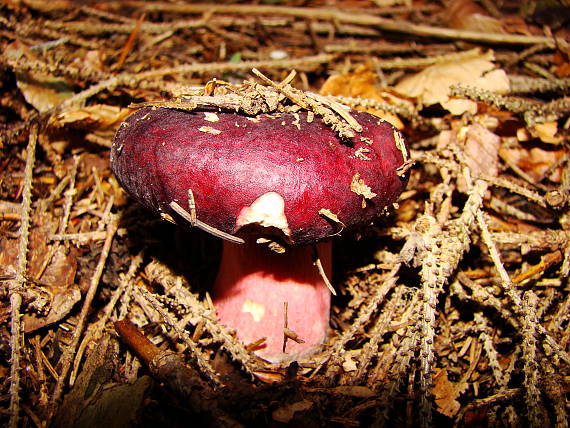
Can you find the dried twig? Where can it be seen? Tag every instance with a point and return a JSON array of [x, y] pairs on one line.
[[536, 413], [335, 353], [131, 79], [339, 16], [17, 284], [169, 367], [509, 288]]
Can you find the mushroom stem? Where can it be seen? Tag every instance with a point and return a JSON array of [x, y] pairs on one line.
[[251, 290]]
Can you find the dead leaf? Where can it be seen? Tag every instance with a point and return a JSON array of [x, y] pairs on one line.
[[286, 413], [535, 161], [546, 132], [43, 91], [446, 393], [361, 83], [62, 301], [431, 86], [56, 278], [96, 399], [60, 270], [40, 90], [468, 15], [99, 116], [480, 148], [269, 376]]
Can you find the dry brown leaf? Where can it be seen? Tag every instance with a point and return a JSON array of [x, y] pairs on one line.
[[361, 83], [480, 148], [286, 413], [42, 91], [535, 161], [99, 116], [56, 278], [431, 86], [468, 15], [60, 269], [62, 301], [446, 393], [547, 132]]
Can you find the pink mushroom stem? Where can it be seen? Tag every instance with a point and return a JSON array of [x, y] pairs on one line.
[[251, 290]]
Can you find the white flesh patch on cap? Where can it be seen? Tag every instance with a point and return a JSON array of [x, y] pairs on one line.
[[268, 211], [257, 310]]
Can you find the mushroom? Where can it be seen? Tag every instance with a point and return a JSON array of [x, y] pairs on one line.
[[276, 187]]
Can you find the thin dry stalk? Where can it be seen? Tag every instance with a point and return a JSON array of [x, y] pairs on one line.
[[377, 332], [334, 356], [17, 284], [132, 79], [402, 366], [501, 377], [537, 415], [341, 17], [510, 290]]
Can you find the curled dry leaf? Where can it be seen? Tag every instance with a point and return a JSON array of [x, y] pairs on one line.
[[62, 301], [41, 90], [431, 86]]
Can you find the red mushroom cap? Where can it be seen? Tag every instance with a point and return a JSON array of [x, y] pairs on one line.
[[230, 160]]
